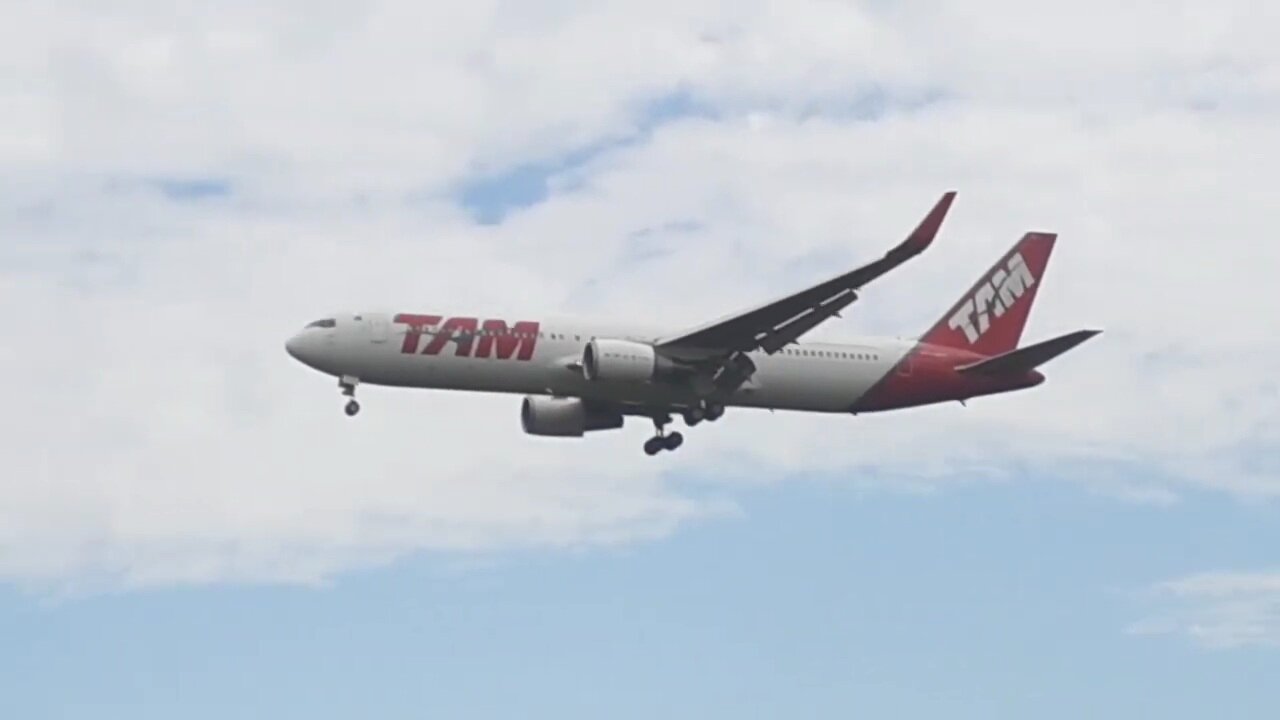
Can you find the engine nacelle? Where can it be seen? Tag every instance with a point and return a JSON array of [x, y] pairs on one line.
[[563, 417], [609, 360]]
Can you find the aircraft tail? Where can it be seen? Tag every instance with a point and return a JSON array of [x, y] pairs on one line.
[[989, 318], [1024, 360]]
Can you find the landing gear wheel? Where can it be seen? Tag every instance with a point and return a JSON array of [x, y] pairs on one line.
[[713, 412], [347, 384], [662, 440], [693, 416]]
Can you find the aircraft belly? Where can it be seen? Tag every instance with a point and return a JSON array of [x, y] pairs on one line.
[[447, 372], [790, 384], [780, 382]]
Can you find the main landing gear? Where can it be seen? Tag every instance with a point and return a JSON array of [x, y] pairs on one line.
[[663, 440], [707, 411], [692, 416], [348, 385]]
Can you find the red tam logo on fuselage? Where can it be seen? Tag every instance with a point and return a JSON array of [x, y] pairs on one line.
[[993, 297], [494, 337]]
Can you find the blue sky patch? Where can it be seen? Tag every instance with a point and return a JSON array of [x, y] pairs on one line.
[[991, 601], [191, 189], [491, 198]]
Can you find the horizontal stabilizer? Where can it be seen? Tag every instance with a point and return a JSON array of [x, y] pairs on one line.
[[1028, 358]]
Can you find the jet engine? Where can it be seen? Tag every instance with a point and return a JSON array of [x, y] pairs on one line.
[[609, 360], [564, 417]]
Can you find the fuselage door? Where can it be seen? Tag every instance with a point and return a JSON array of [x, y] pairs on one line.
[[379, 327], [904, 367]]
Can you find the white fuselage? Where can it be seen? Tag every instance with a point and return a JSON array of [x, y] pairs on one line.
[[821, 377]]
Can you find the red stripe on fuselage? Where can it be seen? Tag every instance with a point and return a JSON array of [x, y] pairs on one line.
[[927, 374]]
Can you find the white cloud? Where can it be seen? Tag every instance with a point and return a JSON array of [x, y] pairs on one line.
[[1220, 610], [158, 433]]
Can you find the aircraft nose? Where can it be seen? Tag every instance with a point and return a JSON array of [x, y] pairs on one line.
[[293, 346]]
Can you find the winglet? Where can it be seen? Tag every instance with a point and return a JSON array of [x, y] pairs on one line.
[[922, 237]]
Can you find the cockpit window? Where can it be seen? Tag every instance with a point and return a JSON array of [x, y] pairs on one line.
[[326, 323]]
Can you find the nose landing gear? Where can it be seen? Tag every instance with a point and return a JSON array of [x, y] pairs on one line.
[[348, 385]]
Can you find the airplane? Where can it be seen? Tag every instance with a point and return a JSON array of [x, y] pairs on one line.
[[579, 376]]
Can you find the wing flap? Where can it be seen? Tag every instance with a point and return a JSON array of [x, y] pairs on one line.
[[788, 332]]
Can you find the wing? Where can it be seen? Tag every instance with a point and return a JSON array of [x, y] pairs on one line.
[[774, 325]]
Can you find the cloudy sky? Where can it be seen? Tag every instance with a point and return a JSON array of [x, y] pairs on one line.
[[189, 525]]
